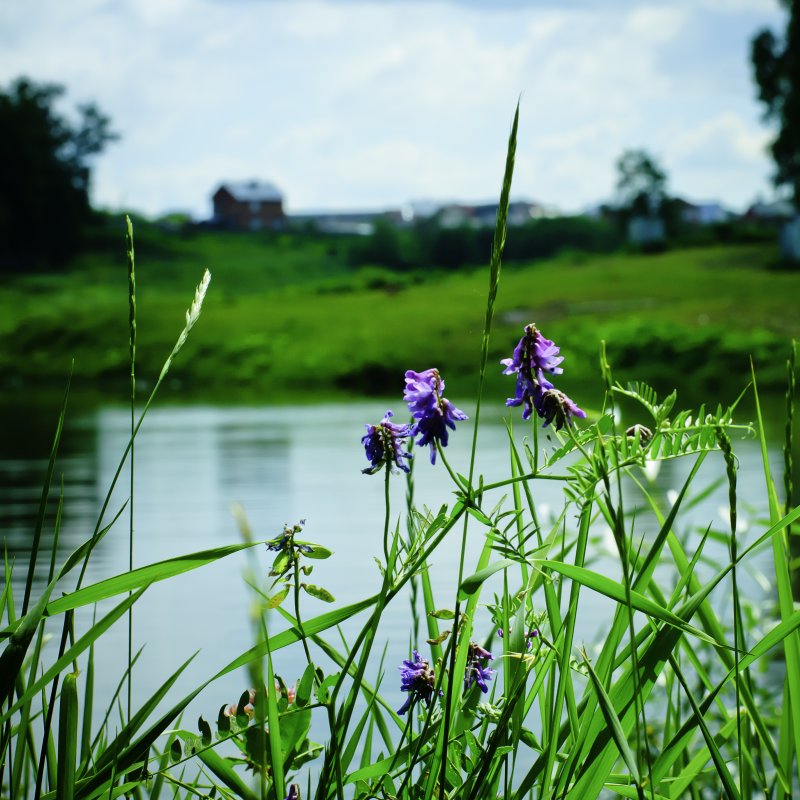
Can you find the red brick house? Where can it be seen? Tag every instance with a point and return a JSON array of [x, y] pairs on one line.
[[248, 205]]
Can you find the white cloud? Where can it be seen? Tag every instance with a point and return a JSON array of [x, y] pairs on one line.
[[348, 104]]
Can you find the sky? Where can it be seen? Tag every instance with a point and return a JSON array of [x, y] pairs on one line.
[[355, 105]]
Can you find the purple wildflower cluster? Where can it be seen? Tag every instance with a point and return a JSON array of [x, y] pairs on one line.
[[384, 445], [418, 679], [433, 414], [533, 357], [477, 671]]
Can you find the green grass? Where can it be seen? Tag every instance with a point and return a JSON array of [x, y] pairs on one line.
[[287, 313]]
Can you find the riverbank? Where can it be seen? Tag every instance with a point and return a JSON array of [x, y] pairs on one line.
[[287, 317]]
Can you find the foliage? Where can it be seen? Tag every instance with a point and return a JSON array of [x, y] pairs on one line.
[[44, 185], [641, 183], [427, 244], [776, 70]]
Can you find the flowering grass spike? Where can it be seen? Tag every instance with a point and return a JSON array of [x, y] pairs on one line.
[[433, 413], [383, 444]]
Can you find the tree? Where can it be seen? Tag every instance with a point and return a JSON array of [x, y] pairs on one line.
[[641, 183], [44, 182], [776, 69]]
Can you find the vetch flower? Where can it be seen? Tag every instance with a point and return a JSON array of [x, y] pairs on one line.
[[556, 406], [294, 792], [383, 444], [477, 671], [433, 413], [534, 354], [532, 358], [418, 679]]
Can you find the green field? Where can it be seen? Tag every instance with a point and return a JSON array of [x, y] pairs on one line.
[[288, 317]]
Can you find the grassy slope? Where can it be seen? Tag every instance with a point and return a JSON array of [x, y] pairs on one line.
[[283, 316]]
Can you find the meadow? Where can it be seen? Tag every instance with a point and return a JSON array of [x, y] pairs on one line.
[[291, 307], [687, 694]]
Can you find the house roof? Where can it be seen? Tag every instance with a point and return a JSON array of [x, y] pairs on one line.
[[252, 191]]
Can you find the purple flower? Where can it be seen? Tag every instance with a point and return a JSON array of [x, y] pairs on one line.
[[418, 679], [477, 671], [556, 406], [433, 413], [383, 445], [533, 357], [534, 354], [529, 636], [294, 792]]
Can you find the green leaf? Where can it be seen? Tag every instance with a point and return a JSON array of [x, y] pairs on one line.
[[175, 750], [223, 769], [442, 613], [14, 654], [67, 738], [616, 591], [143, 576], [322, 689], [317, 550], [471, 584], [319, 592], [436, 640], [278, 597], [304, 687], [281, 563], [205, 731], [72, 653], [607, 707]]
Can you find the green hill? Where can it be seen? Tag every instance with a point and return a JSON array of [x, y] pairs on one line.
[[288, 316]]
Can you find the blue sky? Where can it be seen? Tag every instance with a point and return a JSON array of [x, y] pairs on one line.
[[357, 105]]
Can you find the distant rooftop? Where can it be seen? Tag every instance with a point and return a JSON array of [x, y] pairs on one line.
[[252, 191]]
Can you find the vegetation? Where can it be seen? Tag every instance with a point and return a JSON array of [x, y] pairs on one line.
[[641, 183], [44, 187], [672, 702], [287, 306], [776, 68], [428, 243]]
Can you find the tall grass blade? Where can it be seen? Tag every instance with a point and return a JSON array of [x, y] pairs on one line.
[[67, 738], [37, 532], [780, 554], [132, 359]]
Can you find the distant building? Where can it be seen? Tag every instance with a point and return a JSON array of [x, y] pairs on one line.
[[348, 223], [702, 213], [248, 205], [456, 215], [646, 231], [776, 211]]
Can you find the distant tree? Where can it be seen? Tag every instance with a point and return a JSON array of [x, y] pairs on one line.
[[776, 69], [44, 180], [641, 183]]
